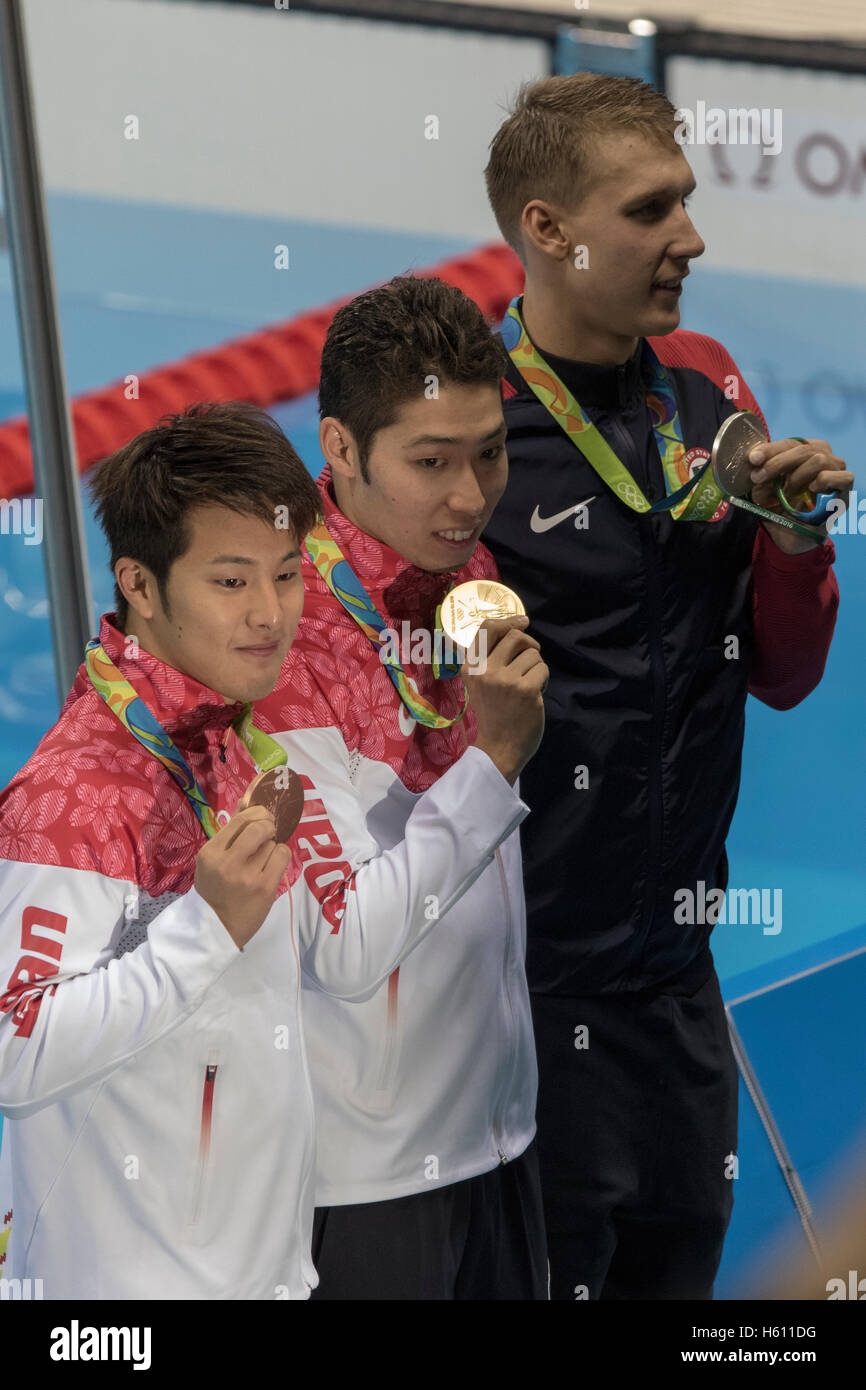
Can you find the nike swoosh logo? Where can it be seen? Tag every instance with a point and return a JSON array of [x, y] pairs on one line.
[[544, 523]]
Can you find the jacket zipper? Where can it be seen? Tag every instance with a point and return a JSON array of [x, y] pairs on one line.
[[204, 1134], [649, 549], [503, 1157], [308, 1168], [659, 701], [389, 1056]]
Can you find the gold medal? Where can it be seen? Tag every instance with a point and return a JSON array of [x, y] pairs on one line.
[[469, 605], [281, 793]]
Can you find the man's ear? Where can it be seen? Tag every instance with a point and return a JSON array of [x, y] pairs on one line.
[[542, 228], [339, 449], [138, 586]]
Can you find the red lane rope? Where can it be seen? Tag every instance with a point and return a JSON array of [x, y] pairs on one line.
[[274, 364]]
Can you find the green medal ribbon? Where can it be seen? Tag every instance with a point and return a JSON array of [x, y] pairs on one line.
[[688, 498], [137, 718], [347, 588]]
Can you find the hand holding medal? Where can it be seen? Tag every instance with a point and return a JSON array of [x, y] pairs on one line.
[[735, 475], [238, 872], [504, 675], [467, 606], [280, 792]]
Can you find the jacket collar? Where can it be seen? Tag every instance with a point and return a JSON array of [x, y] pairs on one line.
[[609, 388], [182, 705], [606, 387], [399, 590]]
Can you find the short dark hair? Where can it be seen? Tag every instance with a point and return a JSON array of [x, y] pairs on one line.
[[382, 345], [228, 454]]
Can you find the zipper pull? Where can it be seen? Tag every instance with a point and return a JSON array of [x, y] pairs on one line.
[[502, 1158]]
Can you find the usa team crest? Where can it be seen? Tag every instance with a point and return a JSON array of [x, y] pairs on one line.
[[695, 460]]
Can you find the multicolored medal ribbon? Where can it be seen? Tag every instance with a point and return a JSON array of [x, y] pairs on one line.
[[347, 588], [134, 715], [689, 498]]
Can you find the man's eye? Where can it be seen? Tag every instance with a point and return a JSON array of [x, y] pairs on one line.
[[493, 452], [232, 584], [430, 463]]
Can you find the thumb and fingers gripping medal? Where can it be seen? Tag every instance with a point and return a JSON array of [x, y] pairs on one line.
[[730, 466], [279, 790]]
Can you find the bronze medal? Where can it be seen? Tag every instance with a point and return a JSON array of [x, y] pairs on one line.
[[281, 793], [469, 605]]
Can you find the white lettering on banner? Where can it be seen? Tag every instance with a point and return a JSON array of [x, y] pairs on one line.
[[768, 215]]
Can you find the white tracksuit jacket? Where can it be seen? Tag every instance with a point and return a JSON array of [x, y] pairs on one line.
[[433, 1078], [153, 1076]]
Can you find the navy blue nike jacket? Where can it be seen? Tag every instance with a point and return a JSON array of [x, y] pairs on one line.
[[634, 786]]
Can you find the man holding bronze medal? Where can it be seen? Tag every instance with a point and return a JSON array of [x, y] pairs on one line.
[[154, 924], [667, 574], [427, 1182]]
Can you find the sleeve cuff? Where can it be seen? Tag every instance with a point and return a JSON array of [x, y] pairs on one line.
[[818, 559], [483, 797], [190, 935]]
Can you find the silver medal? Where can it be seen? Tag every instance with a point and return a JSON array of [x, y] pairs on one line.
[[731, 448]]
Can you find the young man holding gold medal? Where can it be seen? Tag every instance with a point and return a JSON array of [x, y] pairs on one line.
[[662, 594], [427, 1184], [154, 927]]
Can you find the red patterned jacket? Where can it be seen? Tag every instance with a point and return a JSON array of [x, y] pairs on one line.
[[433, 1079], [153, 1077]]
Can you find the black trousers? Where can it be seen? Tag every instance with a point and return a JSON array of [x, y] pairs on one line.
[[482, 1238], [637, 1133]]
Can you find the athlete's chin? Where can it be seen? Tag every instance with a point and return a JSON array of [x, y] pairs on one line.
[[659, 321], [246, 688]]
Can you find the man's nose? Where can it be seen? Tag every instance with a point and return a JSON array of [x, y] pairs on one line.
[[687, 244], [264, 608], [466, 498]]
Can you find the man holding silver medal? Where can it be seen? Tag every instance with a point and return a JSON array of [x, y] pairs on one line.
[[667, 575]]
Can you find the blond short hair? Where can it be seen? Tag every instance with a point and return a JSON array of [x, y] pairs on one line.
[[543, 149]]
